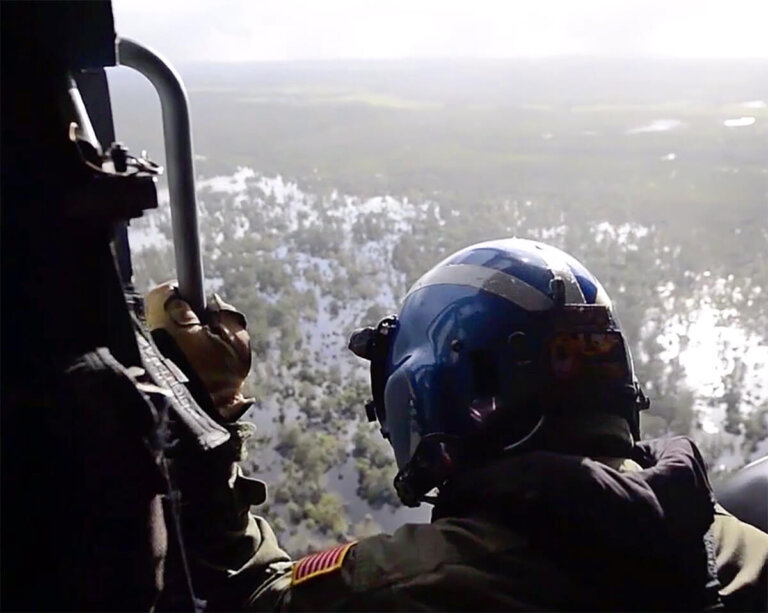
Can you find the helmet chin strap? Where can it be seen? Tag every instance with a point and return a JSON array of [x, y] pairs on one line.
[[433, 461], [437, 457], [521, 443]]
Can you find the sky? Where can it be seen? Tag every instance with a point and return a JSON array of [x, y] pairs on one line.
[[277, 30]]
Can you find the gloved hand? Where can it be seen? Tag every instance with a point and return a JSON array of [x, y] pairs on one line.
[[217, 350]]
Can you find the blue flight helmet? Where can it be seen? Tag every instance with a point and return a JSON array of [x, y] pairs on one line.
[[487, 345]]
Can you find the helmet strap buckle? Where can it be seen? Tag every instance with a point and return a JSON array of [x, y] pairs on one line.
[[435, 459]]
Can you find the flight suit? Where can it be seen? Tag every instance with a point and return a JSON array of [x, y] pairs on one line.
[[535, 531]]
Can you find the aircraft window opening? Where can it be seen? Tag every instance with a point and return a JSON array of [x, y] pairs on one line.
[[330, 177]]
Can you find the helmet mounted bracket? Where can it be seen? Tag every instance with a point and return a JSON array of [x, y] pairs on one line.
[[373, 344]]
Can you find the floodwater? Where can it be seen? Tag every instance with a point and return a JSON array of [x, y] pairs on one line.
[[739, 122], [658, 125]]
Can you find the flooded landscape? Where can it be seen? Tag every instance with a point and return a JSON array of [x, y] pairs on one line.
[[326, 190]]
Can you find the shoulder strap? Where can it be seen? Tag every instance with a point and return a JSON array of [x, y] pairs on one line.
[[203, 429]]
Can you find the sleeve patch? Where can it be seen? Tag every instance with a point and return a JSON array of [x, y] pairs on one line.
[[320, 563]]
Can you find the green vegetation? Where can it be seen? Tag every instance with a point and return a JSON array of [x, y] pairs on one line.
[[375, 466]]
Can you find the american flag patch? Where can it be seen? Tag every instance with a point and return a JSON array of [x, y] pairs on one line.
[[320, 563]]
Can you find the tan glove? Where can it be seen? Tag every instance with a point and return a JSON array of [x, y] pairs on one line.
[[218, 350]]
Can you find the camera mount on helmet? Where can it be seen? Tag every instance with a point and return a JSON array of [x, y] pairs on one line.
[[372, 344]]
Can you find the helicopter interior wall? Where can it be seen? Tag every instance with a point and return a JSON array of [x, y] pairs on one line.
[[61, 300]]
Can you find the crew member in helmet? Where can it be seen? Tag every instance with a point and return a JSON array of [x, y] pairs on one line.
[[507, 391]]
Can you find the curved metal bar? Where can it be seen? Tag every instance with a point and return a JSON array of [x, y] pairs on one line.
[[177, 133]]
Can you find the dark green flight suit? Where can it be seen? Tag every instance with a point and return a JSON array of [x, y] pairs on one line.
[[537, 531]]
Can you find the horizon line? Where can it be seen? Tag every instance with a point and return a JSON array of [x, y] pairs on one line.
[[465, 59]]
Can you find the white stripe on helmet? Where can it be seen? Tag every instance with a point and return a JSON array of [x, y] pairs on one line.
[[491, 280], [602, 296]]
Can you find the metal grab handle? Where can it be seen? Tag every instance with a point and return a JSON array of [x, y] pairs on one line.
[[177, 132]]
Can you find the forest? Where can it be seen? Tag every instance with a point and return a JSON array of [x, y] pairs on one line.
[[326, 189]]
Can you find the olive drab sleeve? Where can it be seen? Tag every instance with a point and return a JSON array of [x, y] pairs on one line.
[[320, 581], [232, 553], [235, 560]]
